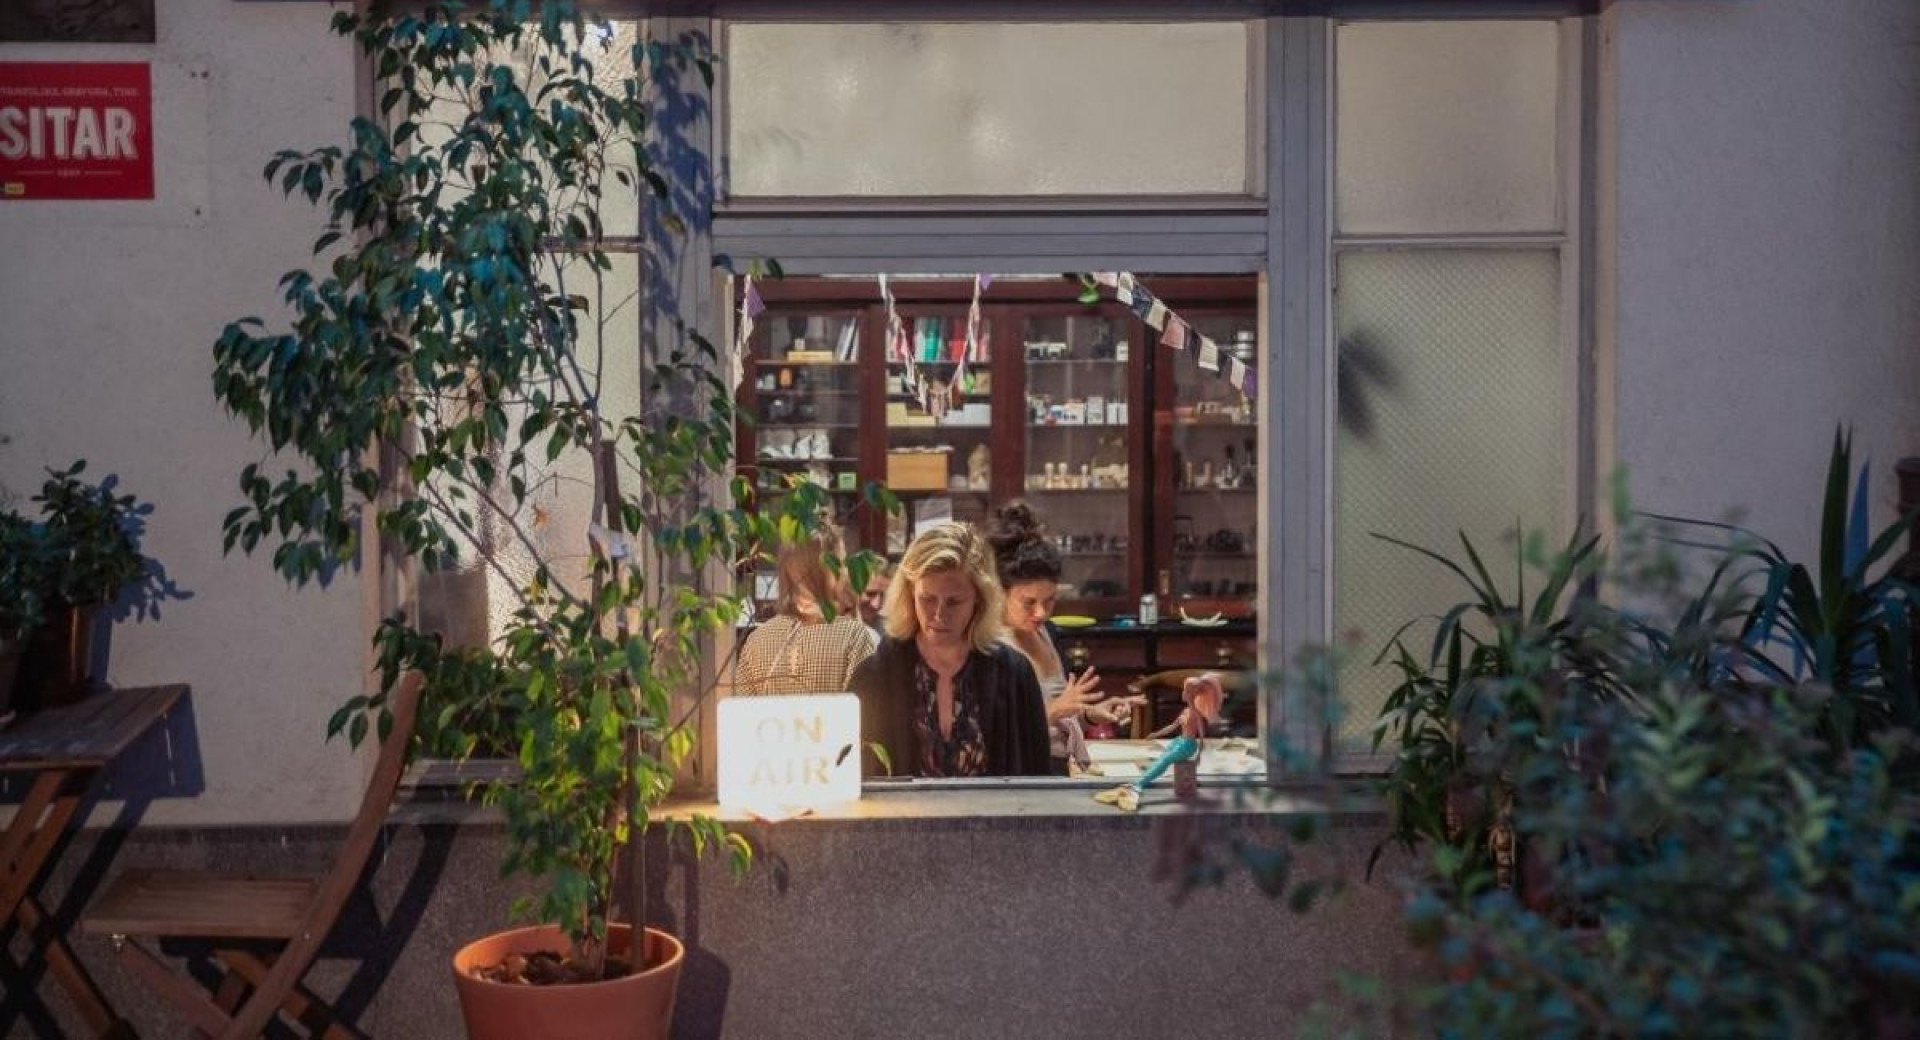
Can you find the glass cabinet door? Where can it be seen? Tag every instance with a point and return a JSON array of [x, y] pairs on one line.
[[803, 393], [1214, 475], [1080, 467], [938, 425]]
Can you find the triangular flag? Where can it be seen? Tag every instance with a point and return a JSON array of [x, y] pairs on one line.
[[1209, 354], [1157, 315], [744, 332], [755, 305], [1143, 302], [1106, 278], [1249, 382], [1237, 373], [1176, 334]]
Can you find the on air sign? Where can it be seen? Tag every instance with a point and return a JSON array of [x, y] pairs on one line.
[[782, 754], [76, 130]]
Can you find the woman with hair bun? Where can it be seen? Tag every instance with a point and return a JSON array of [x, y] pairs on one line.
[[1029, 570]]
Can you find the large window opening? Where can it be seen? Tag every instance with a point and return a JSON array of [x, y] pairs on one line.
[[1118, 429]]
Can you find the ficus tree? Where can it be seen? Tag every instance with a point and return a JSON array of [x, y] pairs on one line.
[[462, 374]]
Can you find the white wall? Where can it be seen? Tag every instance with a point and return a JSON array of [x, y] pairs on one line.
[[1763, 169], [1767, 206], [108, 312]]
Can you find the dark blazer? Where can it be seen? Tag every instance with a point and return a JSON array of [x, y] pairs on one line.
[[1013, 720]]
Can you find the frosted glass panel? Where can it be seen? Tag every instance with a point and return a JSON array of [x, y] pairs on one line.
[[929, 109], [1453, 416], [1447, 126]]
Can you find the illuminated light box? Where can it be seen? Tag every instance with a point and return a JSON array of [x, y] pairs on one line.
[[789, 753]]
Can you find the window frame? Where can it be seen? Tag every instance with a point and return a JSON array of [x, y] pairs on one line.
[[1287, 238], [1572, 243], [1254, 199]]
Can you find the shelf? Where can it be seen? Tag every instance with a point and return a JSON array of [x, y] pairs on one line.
[[1215, 491], [903, 492], [1079, 426], [765, 491], [843, 460], [1091, 554], [1076, 491], [808, 426], [1216, 426], [778, 362], [1207, 554], [1075, 361]]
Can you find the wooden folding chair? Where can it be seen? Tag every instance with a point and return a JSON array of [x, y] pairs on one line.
[[244, 918]]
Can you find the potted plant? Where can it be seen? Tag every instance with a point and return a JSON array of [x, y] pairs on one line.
[[22, 585], [1846, 625], [1500, 666], [454, 380], [56, 574]]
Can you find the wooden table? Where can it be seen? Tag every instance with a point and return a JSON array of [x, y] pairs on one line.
[[67, 747]]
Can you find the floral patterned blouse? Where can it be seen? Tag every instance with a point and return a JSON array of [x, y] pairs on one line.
[[963, 751]]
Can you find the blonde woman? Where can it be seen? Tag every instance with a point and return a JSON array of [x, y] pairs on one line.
[[942, 694], [798, 650]]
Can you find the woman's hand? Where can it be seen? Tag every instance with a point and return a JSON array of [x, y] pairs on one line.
[[1110, 713], [1080, 692]]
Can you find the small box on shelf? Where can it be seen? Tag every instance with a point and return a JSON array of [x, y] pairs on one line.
[[899, 413], [977, 413], [917, 470]]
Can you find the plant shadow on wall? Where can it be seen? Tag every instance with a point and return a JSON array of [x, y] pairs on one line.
[[1364, 374], [1670, 793], [477, 374]]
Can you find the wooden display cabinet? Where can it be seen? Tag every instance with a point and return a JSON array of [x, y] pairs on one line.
[[1156, 492]]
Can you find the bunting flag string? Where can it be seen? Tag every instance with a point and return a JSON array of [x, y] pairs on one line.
[[1177, 333], [751, 307], [934, 398]]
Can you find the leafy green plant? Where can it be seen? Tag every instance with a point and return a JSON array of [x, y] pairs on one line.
[[455, 364], [1847, 627], [25, 566], [1744, 881], [1720, 866], [1500, 665], [82, 552], [89, 534]]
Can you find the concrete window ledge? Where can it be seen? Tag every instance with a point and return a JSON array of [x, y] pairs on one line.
[[1064, 800], [980, 801]]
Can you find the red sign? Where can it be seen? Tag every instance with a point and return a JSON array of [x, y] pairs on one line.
[[71, 130]]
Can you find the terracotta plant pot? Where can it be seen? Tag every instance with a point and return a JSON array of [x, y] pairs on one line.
[[637, 1007]]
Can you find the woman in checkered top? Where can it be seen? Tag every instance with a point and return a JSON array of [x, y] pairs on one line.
[[798, 650]]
